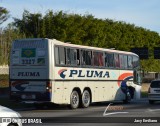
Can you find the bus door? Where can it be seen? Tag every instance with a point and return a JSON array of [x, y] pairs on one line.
[[137, 80], [137, 76]]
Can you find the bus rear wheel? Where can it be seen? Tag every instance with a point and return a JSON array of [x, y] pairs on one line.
[[74, 100], [86, 99]]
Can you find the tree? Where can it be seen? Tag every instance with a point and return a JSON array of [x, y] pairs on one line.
[[7, 36], [30, 24], [88, 30], [4, 14]]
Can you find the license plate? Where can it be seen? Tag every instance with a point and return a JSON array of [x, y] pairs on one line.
[[28, 61], [28, 96]]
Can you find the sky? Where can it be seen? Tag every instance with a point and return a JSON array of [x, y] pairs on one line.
[[142, 13]]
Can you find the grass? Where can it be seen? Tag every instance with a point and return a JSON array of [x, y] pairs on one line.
[[144, 94]]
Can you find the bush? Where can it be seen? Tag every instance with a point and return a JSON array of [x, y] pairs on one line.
[[4, 81]]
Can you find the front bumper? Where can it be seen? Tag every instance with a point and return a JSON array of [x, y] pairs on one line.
[[155, 97]]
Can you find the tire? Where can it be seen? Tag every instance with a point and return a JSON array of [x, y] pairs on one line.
[[12, 124], [151, 102], [74, 100], [40, 106], [128, 98], [86, 99]]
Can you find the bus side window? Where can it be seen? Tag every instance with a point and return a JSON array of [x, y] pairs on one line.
[[74, 57], [95, 54], [83, 57], [62, 52], [106, 60], [71, 56], [121, 59], [125, 62], [86, 57], [68, 56], [130, 65], [78, 57], [98, 58], [109, 60], [135, 62], [57, 55], [116, 59], [60, 55]]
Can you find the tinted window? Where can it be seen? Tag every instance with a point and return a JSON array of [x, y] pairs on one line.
[[135, 61], [155, 84], [60, 55], [98, 58], [109, 60], [125, 61], [130, 61], [121, 59], [71, 56], [86, 57], [116, 59], [57, 55]]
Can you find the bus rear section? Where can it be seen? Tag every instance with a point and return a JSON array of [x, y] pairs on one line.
[[29, 80]]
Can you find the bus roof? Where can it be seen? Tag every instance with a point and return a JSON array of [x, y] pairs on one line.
[[57, 42]]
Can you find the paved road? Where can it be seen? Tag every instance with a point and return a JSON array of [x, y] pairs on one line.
[[116, 113]]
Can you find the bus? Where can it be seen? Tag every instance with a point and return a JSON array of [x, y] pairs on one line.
[[50, 71]]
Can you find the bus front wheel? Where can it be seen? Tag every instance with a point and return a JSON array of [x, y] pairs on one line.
[[74, 100], [86, 99]]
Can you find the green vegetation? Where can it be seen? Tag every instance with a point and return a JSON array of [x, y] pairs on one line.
[[4, 14], [144, 94], [83, 30], [4, 81], [4, 77]]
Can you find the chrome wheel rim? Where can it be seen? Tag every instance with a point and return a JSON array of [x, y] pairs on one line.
[[86, 98], [75, 99]]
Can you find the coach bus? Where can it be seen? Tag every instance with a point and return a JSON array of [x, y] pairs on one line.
[[49, 71]]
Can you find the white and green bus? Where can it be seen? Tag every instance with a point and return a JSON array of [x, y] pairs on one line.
[[50, 71]]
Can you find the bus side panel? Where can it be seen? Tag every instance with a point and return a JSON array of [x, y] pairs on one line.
[[100, 91], [104, 86], [58, 92]]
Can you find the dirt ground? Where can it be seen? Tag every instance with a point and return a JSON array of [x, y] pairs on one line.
[[145, 87]]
